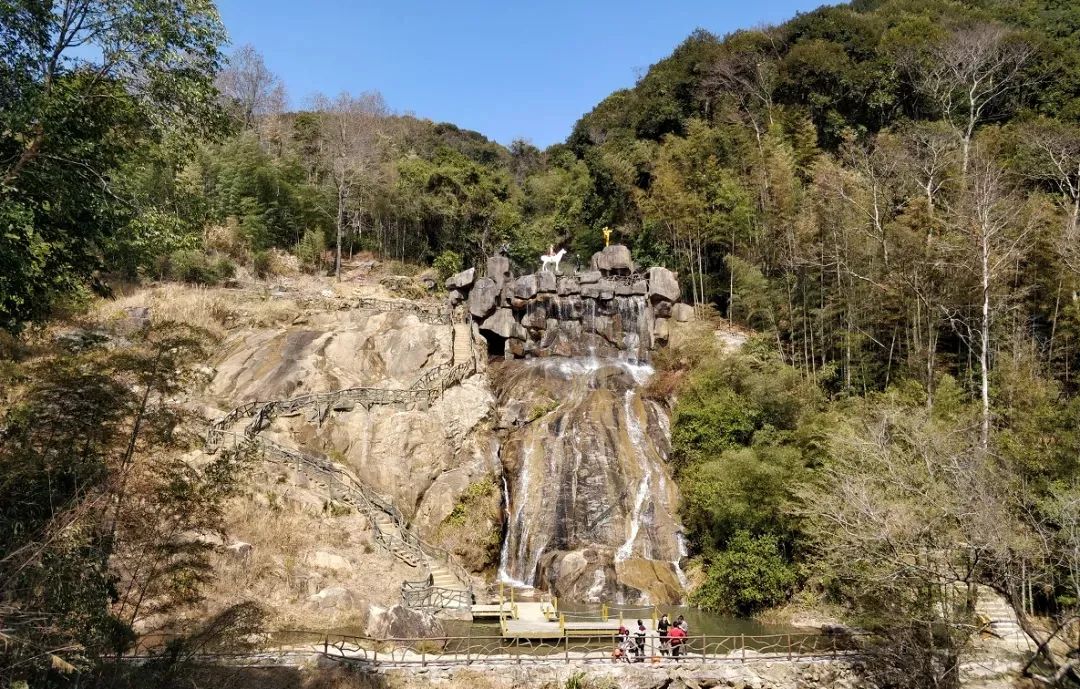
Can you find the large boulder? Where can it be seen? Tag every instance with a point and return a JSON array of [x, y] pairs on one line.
[[332, 598], [500, 323], [535, 316], [483, 298], [568, 286], [498, 269], [526, 287], [400, 622], [682, 313], [662, 285], [546, 281], [462, 280], [589, 277], [613, 259]]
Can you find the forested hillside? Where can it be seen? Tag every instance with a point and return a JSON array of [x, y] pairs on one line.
[[886, 192]]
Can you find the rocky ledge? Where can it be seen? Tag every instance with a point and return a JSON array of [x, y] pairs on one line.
[[610, 310]]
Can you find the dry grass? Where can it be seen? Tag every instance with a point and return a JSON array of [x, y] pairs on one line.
[[286, 526], [215, 309]]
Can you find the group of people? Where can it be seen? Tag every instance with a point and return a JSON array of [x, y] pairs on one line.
[[671, 635]]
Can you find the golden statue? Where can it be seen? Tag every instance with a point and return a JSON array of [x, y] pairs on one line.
[[607, 236]]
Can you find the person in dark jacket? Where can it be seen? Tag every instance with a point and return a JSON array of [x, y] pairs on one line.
[[662, 628], [639, 648]]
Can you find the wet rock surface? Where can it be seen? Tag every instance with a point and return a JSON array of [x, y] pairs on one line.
[[591, 503]]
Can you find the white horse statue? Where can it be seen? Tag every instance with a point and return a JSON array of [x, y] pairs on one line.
[[547, 259]]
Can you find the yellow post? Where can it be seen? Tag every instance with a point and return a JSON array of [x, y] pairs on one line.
[[555, 603], [603, 612], [562, 622], [655, 617]]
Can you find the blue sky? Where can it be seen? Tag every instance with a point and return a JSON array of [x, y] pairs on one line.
[[506, 69]]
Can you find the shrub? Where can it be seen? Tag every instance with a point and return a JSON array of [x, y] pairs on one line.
[[447, 264], [310, 250], [188, 265], [262, 262], [749, 576]]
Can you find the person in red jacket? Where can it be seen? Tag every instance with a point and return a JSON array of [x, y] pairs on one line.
[[676, 637]]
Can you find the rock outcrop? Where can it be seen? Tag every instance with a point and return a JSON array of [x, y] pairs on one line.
[[606, 311]]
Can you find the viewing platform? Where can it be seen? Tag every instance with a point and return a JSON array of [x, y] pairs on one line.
[[524, 620]]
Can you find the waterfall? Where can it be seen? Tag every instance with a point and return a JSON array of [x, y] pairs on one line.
[[580, 437], [637, 441], [504, 554]]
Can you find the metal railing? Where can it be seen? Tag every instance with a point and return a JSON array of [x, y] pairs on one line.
[[495, 650], [426, 314], [435, 597], [400, 542], [628, 280], [426, 389]]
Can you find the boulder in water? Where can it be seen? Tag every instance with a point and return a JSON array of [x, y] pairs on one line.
[[662, 285], [400, 622], [535, 316], [589, 277]]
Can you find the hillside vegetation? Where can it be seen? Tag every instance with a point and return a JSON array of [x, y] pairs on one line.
[[887, 192]]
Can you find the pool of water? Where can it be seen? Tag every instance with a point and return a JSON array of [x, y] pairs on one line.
[[701, 623]]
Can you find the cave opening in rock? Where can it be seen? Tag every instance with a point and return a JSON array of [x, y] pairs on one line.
[[496, 344]]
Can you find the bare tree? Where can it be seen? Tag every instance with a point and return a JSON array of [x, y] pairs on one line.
[[248, 88], [1053, 157], [749, 79], [989, 214], [970, 71], [927, 154], [350, 129]]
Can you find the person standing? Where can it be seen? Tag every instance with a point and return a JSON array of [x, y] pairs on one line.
[[639, 648], [677, 636], [662, 628]]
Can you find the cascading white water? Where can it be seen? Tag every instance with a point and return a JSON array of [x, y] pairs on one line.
[[504, 554], [637, 441], [521, 571], [579, 433]]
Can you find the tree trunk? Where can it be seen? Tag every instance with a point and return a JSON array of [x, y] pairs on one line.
[[340, 222], [984, 345]]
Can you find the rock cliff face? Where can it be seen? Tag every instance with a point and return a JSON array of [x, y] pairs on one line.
[[591, 505], [422, 459], [608, 311]]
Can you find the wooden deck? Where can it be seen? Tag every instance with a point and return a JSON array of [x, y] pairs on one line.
[[541, 620], [494, 611]]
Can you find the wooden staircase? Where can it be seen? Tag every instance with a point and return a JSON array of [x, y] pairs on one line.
[[463, 350]]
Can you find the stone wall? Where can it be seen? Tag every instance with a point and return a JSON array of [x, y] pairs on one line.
[[611, 310], [771, 674]]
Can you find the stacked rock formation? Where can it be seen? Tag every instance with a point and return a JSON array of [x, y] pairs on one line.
[[610, 310]]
